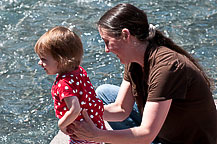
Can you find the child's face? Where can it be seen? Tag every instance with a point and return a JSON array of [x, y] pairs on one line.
[[48, 63]]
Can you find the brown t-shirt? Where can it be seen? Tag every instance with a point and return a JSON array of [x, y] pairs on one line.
[[192, 117]]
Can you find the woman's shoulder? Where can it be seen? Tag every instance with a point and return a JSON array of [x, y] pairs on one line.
[[162, 51], [162, 55]]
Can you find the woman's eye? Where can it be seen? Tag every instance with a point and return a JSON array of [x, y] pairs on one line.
[[43, 59], [106, 42]]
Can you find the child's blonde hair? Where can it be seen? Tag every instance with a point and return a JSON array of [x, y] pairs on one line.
[[64, 45]]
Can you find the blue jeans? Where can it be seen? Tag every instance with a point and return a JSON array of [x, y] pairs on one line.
[[108, 93]]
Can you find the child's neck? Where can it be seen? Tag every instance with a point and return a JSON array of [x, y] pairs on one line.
[[67, 71]]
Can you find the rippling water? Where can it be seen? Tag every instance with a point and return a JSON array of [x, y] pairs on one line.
[[26, 109]]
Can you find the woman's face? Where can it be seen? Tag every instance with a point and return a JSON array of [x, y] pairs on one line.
[[114, 45]]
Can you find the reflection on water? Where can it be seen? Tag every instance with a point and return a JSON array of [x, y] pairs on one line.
[[26, 107]]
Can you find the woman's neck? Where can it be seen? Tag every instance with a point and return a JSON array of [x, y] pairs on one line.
[[139, 51]]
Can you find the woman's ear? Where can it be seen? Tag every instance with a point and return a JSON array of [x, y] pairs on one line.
[[125, 33]]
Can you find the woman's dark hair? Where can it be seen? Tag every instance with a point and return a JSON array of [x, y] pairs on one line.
[[135, 20]]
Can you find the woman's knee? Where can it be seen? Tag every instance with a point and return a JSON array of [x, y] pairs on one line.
[[102, 89], [107, 93]]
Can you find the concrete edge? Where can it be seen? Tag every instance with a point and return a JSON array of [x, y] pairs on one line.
[[61, 138]]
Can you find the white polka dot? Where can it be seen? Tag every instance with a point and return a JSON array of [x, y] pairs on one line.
[[85, 84], [89, 92], [62, 94], [80, 92], [80, 81], [81, 75], [86, 95], [95, 105], [72, 81], [88, 81], [91, 110], [81, 119], [76, 77], [101, 127], [82, 103], [66, 87], [99, 107], [64, 108], [73, 91], [64, 76], [71, 75], [58, 92], [61, 113], [77, 83], [59, 85], [91, 116], [90, 104], [96, 113], [93, 101], [89, 99], [58, 103], [91, 87]]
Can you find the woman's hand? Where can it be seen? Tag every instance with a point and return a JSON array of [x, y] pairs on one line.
[[63, 129], [85, 129]]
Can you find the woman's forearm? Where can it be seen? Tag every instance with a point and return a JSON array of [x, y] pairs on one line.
[[136, 135], [154, 116], [114, 112]]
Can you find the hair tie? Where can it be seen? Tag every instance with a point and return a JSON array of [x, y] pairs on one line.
[[152, 30]]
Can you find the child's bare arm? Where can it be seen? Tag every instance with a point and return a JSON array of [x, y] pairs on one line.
[[69, 117]]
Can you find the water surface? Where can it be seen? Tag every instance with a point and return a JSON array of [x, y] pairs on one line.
[[26, 108]]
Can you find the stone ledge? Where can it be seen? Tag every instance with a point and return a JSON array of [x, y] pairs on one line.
[[61, 138]]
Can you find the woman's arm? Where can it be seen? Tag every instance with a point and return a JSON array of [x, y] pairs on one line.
[[153, 118], [73, 105], [122, 107]]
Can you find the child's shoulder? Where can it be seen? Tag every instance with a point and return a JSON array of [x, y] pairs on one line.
[[82, 70]]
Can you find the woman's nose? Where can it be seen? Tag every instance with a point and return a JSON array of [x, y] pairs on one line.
[[107, 49], [39, 62]]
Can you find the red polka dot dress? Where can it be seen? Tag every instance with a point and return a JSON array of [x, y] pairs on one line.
[[77, 83]]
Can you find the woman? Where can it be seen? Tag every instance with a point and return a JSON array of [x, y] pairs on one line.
[[170, 88]]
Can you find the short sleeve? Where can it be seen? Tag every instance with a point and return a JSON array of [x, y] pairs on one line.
[[167, 81], [126, 73], [66, 88]]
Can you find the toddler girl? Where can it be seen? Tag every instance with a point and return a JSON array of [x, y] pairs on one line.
[[60, 51]]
